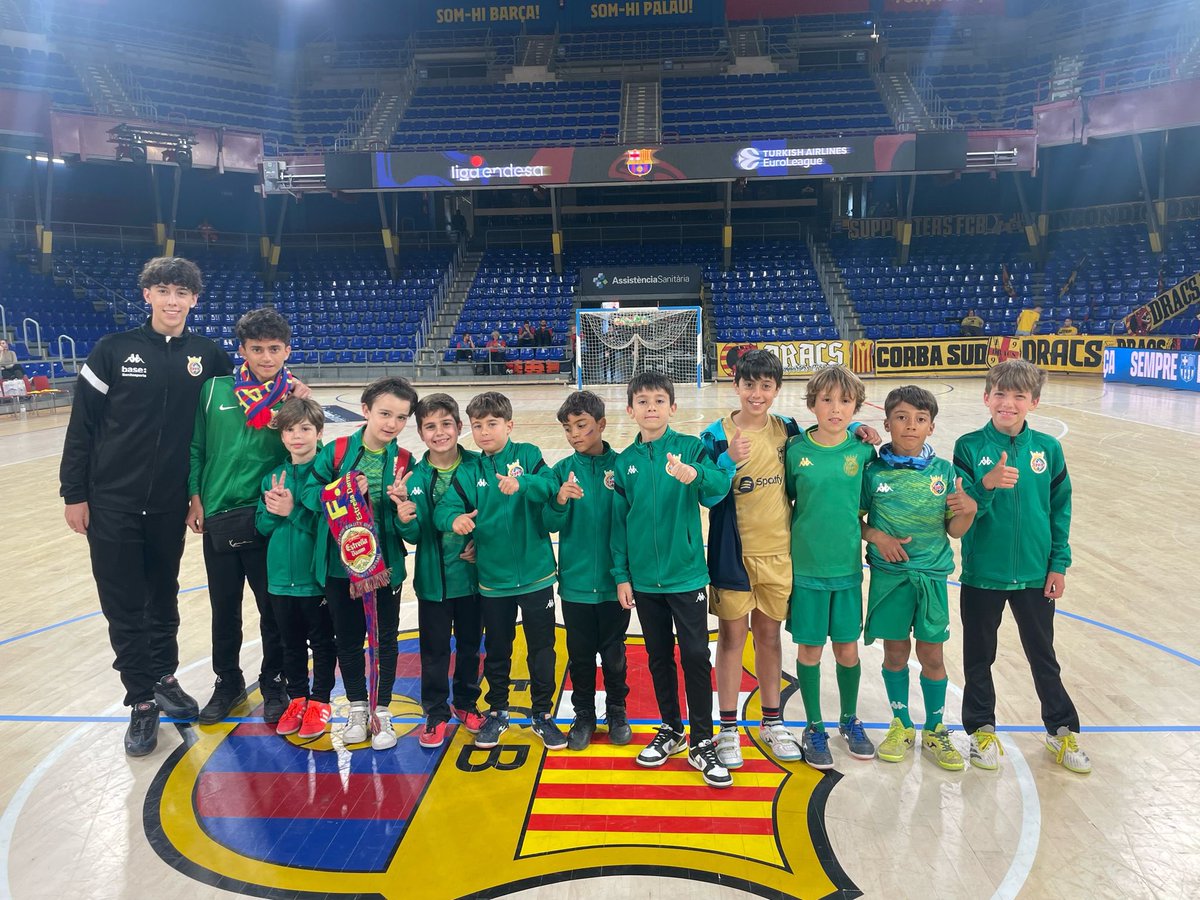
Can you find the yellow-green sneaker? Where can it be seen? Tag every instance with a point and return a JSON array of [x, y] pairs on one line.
[[897, 742], [944, 753]]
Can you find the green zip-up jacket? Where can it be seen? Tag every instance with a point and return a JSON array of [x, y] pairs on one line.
[[229, 458], [386, 523], [1021, 534], [440, 574], [657, 544], [512, 547], [290, 539], [583, 526]]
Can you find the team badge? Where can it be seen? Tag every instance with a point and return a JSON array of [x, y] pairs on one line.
[[1037, 461], [355, 820], [639, 162], [195, 366], [610, 479], [515, 470], [937, 485], [850, 465]]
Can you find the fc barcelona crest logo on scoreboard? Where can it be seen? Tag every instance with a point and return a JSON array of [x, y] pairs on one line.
[[263, 815], [639, 162]]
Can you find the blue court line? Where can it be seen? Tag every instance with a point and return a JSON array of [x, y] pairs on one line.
[[1129, 634], [71, 621]]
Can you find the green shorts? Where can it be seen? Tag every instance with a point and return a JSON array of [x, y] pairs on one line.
[[818, 615], [909, 604]]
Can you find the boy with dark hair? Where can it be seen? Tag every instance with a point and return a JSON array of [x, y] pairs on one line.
[[382, 464], [123, 480], [297, 601], [1017, 553], [499, 498], [658, 565], [913, 506], [824, 471], [596, 623], [445, 582], [233, 449]]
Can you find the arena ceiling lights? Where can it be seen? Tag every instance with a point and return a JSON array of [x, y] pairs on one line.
[[133, 142]]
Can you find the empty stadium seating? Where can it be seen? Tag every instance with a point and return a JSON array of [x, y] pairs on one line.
[[770, 294], [37, 70]]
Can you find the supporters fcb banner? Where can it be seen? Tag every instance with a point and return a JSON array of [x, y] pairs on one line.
[[958, 7], [799, 358], [1166, 305], [1160, 368], [933, 226]]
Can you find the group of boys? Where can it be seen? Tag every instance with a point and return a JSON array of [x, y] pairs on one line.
[[784, 546]]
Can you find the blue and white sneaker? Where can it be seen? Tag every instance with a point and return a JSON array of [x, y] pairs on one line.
[[856, 739]]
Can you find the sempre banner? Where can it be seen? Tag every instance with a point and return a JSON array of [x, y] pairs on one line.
[[617, 282], [799, 358], [1160, 368], [1166, 305]]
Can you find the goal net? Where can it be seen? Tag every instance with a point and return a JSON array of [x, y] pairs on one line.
[[613, 345]]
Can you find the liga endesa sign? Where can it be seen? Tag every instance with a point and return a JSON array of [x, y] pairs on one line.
[[799, 358]]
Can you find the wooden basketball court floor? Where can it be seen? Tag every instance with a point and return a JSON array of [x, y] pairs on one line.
[[233, 809]]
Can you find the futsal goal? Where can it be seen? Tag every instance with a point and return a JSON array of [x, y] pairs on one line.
[[613, 345]]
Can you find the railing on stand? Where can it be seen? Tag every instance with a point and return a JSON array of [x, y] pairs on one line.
[[62, 357], [37, 330], [116, 301]]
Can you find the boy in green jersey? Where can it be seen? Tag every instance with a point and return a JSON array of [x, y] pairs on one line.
[[823, 470], [658, 564], [445, 583], [911, 512], [1017, 553], [498, 499], [232, 449], [297, 600], [581, 512]]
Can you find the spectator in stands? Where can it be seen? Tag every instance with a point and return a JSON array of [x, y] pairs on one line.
[[1067, 327], [1197, 344], [543, 336], [971, 325], [465, 346], [496, 346], [1027, 321], [525, 336], [458, 224], [207, 231], [9, 367]]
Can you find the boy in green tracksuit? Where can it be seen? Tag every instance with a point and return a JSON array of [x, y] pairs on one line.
[[445, 583], [596, 623], [499, 499], [823, 471], [1017, 553], [233, 449], [372, 451], [296, 598], [914, 505], [659, 566]]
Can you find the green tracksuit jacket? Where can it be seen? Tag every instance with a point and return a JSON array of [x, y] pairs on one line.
[[1020, 534], [386, 523], [228, 457], [512, 547], [290, 539], [583, 526], [440, 574], [656, 542]]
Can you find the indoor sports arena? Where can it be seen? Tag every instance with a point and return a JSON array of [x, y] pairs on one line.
[[339, 341]]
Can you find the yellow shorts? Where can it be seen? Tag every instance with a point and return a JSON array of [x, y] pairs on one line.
[[770, 587]]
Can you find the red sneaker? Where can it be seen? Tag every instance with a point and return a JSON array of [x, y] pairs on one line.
[[433, 736], [289, 722], [471, 719], [316, 717]]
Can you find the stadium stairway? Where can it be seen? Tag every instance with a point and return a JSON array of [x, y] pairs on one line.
[[432, 355], [841, 305]]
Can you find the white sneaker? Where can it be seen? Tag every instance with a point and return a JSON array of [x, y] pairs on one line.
[[1067, 752], [385, 738], [985, 749], [729, 747], [781, 742], [356, 729]]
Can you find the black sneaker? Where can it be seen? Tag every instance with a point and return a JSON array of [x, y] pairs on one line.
[[226, 695], [275, 698], [665, 744], [581, 732], [547, 729], [142, 735], [704, 757], [173, 700], [495, 723], [619, 732]]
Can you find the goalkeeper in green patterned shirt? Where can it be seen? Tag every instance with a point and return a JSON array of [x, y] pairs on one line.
[[913, 504]]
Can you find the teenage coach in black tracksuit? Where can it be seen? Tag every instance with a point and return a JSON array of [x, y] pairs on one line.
[[124, 480]]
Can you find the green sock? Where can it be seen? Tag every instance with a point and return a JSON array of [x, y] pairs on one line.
[[810, 692], [896, 685], [934, 693], [847, 679]]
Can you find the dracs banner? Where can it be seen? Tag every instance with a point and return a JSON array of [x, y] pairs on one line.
[[615, 283], [799, 358], [1166, 305]]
